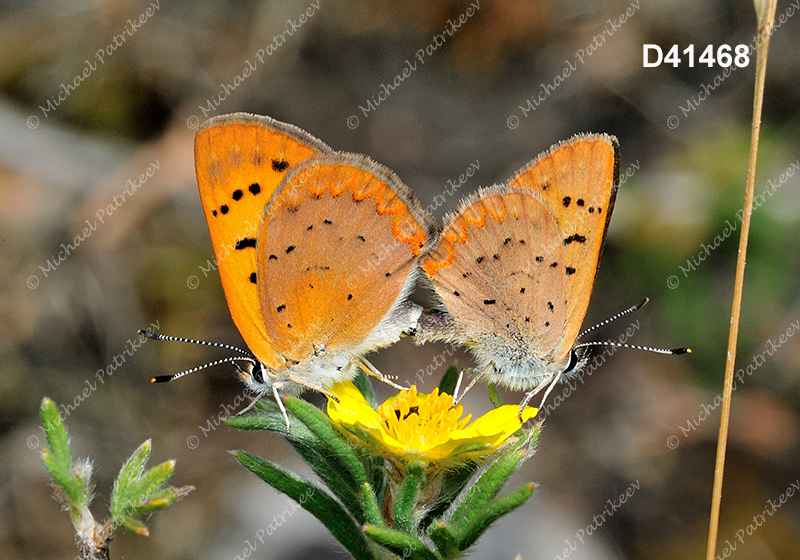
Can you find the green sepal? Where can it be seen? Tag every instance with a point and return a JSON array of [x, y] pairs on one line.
[[318, 423], [455, 479], [365, 388], [444, 539], [486, 487], [400, 543], [57, 459], [494, 395], [406, 498], [311, 498], [371, 508], [449, 380], [322, 460], [491, 512]]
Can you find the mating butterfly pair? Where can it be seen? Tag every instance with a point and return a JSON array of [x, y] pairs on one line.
[[318, 250]]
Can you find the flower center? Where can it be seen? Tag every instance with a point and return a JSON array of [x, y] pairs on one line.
[[418, 421]]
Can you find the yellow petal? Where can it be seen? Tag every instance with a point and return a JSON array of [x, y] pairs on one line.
[[352, 408], [498, 423]]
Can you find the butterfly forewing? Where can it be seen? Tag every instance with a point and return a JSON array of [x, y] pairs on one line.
[[335, 254], [240, 160]]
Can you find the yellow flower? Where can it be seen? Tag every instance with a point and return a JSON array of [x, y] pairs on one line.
[[414, 425]]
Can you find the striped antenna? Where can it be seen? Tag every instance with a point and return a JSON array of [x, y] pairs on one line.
[[617, 316], [157, 336], [166, 378], [670, 351]]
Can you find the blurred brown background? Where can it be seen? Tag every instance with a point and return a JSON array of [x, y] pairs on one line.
[[61, 322]]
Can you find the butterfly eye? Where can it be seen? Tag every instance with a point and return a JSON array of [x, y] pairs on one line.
[[573, 361], [258, 373]]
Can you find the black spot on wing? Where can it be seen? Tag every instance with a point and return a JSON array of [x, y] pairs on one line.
[[479, 260], [455, 293], [349, 297], [253, 278], [361, 237], [579, 202], [553, 265], [489, 301], [506, 241], [289, 249], [273, 258], [281, 307], [575, 238], [214, 212], [224, 208], [496, 257], [247, 242], [522, 290], [570, 271], [539, 259], [280, 165], [550, 305], [565, 201], [327, 222], [255, 188], [237, 194]]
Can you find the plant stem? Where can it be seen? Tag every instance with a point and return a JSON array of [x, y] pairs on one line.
[[766, 19]]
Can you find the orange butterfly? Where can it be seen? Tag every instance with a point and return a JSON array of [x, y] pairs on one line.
[[515, 266], [316, 251]]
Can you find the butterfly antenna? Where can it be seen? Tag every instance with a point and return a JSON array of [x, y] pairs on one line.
[[166, 378], [157, 336], [617, 316], [670, 351]]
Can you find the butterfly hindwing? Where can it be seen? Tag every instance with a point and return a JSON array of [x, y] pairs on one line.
[[493, 268], [347, 233], [240, 160]]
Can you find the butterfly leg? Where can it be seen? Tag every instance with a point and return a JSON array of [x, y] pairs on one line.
[[281, 406], [372, 371], [477, 375], [253, 402], [313, 387], [550, 385]]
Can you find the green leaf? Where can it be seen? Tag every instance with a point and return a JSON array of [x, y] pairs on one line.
[[491, 513], [131, 471], [494, 395], [163, 499], [449, 380], [318, 423], [313, 499], [322, 460], [486, 487], [406, 498], [400, 543], [444, 539], [57, 460], [363, 384], [133, 524], [150, 482], [136, 492], [371, 507]]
